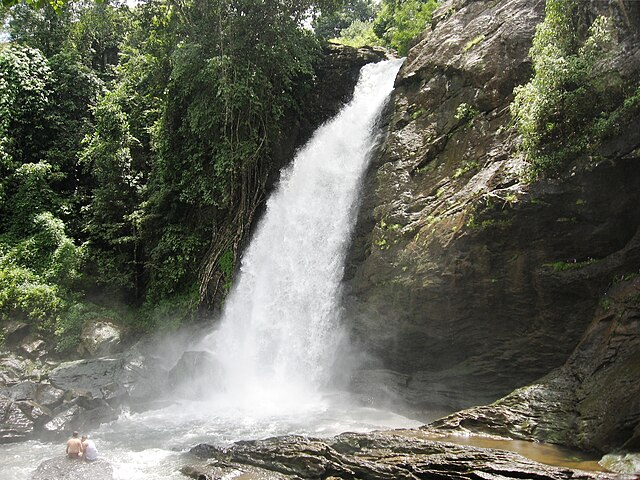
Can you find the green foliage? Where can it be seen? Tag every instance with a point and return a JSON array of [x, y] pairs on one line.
[[573, 265], [44, 106], [45, 29], [466, 168], [167, 314], [401, 21], [97, 35], [226, 265], [24, 98], [332, 24], [112, 220], [47, 252], [226, 97], [572, 103], [25, 295], [358, 34], [465, 112]]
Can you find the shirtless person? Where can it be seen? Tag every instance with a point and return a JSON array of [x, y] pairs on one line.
[[74, 446]]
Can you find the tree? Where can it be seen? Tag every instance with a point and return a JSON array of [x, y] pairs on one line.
[[24, 97], [227, 95], [401, 21], [97, 35], [330, 24], [46, 29]]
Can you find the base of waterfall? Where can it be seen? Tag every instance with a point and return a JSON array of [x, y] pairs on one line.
[[379, 455], [63, 468]]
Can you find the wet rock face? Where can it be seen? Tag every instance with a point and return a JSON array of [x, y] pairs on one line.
[[376, 456], [462, 279], [591, 402]]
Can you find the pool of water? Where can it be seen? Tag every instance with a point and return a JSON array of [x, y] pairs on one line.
[[548, 454]]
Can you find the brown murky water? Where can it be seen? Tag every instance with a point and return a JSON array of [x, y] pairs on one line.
[[540, 452]]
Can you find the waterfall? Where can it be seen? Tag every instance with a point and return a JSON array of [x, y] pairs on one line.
[[280, 329]]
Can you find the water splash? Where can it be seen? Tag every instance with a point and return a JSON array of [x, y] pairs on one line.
[[280, 330]]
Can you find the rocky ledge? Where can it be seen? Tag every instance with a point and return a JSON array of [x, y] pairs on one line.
[[400, 454], [62, 468]]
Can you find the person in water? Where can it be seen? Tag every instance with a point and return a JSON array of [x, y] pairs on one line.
[[74, 446], [89, 448]]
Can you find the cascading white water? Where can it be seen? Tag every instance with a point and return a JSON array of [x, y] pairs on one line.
[[281, 327]]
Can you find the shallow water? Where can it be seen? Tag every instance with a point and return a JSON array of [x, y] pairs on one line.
[[548, 454]]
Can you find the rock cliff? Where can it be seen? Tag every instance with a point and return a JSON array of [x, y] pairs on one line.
[[464, 280]]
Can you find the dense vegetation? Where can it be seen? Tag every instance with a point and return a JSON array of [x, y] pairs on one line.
[[135, 144], [574, 102], [390, 23]]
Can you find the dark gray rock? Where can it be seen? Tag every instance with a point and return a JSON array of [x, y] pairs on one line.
[[14, 369], [20, 391], [93, 376], [64, 421], [15, 425], [113, 379], [49, 396], [378, 387], [15, 331], [63, 468], [220, 470], [384, 455]]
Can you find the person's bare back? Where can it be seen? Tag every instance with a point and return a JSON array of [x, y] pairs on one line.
[[74, 446]]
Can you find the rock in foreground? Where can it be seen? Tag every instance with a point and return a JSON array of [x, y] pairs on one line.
[[62, 468], [391, 455]]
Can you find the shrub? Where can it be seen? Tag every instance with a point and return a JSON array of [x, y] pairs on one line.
[[571, 104]]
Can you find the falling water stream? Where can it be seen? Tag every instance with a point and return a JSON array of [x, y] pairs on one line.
[[280, 332], [281, 329]]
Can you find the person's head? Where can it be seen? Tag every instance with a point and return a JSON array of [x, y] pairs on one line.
[[84, 437], [75, 434]]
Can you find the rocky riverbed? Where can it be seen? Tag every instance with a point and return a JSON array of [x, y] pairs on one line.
[[383, 455]]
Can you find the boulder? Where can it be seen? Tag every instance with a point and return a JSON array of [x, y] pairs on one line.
[[49, 396], [64, 421], [63, 468], [99, 339], [20, 391], [33, 347], [14, 369], [15, 425]]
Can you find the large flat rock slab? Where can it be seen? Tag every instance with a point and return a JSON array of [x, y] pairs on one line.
[[63, 468], [381, 456]]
